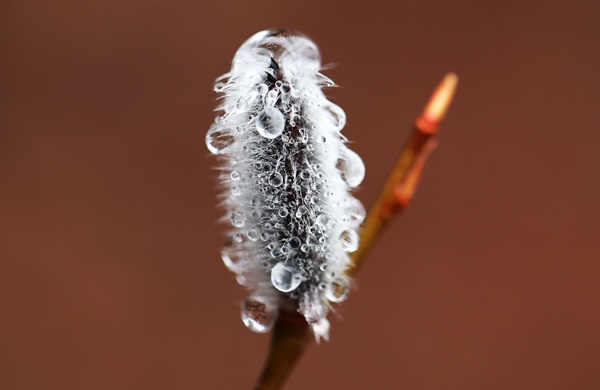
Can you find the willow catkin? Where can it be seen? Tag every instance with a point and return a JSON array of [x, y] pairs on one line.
[[286, 176]]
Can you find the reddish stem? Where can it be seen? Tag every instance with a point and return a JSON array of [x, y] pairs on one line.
[[290, 338], [402, 183]]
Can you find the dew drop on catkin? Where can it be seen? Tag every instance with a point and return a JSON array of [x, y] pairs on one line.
[[286, 176]]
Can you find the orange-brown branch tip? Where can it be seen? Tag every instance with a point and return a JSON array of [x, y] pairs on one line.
[[438, 105]]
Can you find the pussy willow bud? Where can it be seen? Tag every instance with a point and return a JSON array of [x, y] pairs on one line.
[[286, 176]]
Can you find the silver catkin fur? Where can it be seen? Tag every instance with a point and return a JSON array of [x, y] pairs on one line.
[[286, 176]]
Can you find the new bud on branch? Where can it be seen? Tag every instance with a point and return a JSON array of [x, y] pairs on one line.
[[286, 176]]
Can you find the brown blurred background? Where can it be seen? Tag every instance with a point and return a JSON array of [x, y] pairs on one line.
[[111, 276]]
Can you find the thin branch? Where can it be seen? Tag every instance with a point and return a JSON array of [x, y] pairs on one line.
[[290, 338], [291, 333], [404, 179]]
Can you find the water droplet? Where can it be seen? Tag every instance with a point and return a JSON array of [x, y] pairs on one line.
[[301, 211], [351, 167], [218, 139], [322, 219], [238, 219], [276, 179], [294, 242], [235, 175], [270, 123], [295, 109], [253, 234], [338, 290], [304, 248], [231, 257], [236, 190], [321, 139], [255, 202], [349, 240], [219, 87], [323, 267], [285, 249], [356, 212], [286, 88], [262, 89], [338, 116], [271, 97], [283, 212], [285, 278], [241, 279], [255, 214], [305, 174], [259, 313]]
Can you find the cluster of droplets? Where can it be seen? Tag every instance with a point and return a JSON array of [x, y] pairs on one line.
[[286, 174]]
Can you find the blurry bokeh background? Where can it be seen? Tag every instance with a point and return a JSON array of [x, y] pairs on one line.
[[111, 276]]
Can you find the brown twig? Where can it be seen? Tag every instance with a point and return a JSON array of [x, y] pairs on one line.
[[402, 183], [290, 338], [291, 333]]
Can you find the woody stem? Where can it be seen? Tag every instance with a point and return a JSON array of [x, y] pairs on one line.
[[402, 183]]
